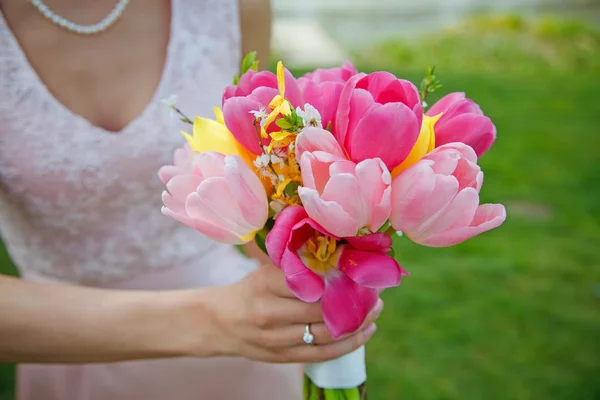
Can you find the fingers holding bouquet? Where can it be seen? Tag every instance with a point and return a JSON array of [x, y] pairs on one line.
[[260, 318]]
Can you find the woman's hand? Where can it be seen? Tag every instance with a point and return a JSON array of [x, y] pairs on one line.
[[260, 319]]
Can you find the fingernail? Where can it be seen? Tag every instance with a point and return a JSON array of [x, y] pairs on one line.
[[378, 307], [370, 330]]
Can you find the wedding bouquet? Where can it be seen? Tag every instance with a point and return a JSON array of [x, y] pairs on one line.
[[321, 172]]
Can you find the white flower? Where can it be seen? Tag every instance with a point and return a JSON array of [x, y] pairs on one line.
[[169, 104], [310, 116], [263, 161], [260, 115]]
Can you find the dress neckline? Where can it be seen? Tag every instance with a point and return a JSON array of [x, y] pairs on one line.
[[149, 107]]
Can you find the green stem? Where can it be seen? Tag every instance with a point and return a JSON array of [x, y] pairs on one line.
[[313, 392]]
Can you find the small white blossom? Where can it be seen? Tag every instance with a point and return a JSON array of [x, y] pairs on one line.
[[424, 104], [310, 116], [263, 161], [169, 104], [260, 115]]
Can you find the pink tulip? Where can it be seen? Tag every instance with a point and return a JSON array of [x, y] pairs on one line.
[[436, 201], [344, 275], [462, 121], [378, 116], [322, 89], [338, 74], [253, 93], [341, 196], [221, 197], [182, 164]]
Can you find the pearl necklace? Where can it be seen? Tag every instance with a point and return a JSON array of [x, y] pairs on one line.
[[70, 26]]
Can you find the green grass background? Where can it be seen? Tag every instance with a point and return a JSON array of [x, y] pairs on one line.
[[514, 313]]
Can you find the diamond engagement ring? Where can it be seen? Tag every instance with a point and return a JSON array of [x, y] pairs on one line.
[[308, 337]]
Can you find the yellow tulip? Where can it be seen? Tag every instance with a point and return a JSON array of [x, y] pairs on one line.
[[425, 143], [211, 135]]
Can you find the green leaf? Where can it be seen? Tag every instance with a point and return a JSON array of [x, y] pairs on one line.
[[283, 123], [249, 62], [291, 189]]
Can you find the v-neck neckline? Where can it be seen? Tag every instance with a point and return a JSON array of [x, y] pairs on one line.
[[149, 107]]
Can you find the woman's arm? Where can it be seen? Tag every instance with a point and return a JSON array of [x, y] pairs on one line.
[[257, 318], [63, 323]]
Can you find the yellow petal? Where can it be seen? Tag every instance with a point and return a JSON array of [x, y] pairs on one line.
[[272, 116], [280, 135], [285, 108], [281, 79], [219, 115], [425, 143], [276, 102], [210, 135], [248, 237]]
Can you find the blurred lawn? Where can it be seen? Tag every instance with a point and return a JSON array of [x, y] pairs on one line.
[[514, 313]]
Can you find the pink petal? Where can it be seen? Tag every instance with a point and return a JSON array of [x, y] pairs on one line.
[[167, 172], [263, 95], [329, 214], [305, 284], [228, 93], [345, 190], [342, 167], [344, 106], [255, 79], [279, 236], [236, 113], [361, 102], [213, 202], [292, 90], [419, 195], [174, 204], [477, 131], [247, 190], [315, 170], [370, 269], [211, 231], [324, 97], [181, 164], [463, 149], [373, 242], [316, 139], [449, 160], [374, 181], [459, 213], [336, 74], [346, 304], [388, 132], [182, 185], [209, 164], [444, 104], [487, 217]]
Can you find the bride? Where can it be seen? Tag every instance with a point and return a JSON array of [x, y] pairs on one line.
[[117, 301]]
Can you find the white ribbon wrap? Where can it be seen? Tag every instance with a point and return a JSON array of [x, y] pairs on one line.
[[345, 372]]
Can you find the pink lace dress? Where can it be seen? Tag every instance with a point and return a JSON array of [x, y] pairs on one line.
[[81, 205]]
